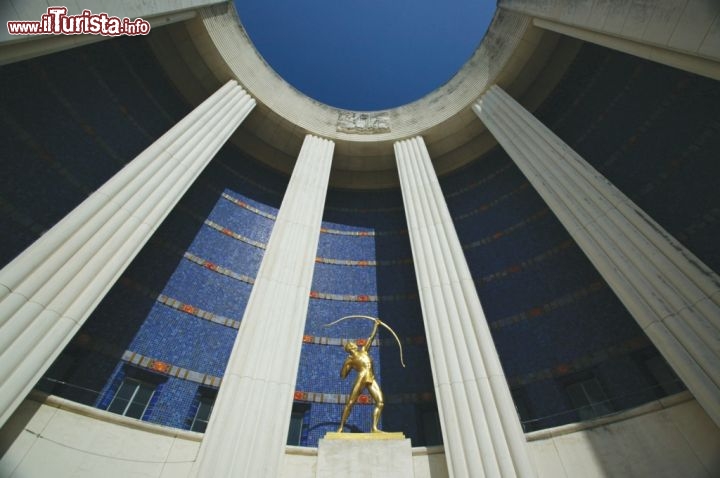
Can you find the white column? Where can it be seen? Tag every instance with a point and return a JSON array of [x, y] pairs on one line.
[[248, 429], [480, 426], [49, 290], [673, 296]]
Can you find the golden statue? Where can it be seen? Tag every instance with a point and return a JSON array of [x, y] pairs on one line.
[[359, 360]]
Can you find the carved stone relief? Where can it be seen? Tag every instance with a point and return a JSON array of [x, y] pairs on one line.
[[363, 123]]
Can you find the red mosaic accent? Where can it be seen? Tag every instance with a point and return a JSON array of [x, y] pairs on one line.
[[188, 308], [562, 369], [159, 366], [210, 265], [314, 294], [307, 338], [638, 342], [298, 395], [362, 263], [534, 312], [126, 281], [363, 399], [363, 298], [595, 286], [82, 339], [226, 231]]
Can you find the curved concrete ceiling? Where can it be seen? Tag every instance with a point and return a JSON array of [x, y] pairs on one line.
[[203, 53]]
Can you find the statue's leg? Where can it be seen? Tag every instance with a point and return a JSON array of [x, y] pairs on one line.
[[377, 397], [357, 388]]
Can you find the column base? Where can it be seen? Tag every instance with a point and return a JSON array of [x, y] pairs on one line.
[[380, 455]]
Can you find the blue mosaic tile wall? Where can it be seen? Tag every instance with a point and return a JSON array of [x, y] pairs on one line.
[[180, 313], [552, 317], [176, 309], [68, 122], [653, 131], [364, 267], [172, 317]]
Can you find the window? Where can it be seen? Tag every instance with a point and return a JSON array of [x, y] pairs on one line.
[[132, 398], [206, 402], [297, 422], [588, 398]]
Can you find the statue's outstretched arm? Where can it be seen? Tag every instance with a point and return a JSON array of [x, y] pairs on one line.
[[366, 347], [370, 339]]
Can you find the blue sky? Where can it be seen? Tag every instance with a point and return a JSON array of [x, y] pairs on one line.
[[366, 54]]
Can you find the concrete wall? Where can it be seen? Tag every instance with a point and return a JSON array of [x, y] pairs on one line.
[[672, 437], [691, 26], [683, 34], [668, 438], [61, 438]]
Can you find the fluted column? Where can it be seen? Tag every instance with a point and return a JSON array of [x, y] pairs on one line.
[[672, 295], [480, 426], [248, 429], [50, 289]]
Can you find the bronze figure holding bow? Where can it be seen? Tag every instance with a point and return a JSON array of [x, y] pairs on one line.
[[359, 360]]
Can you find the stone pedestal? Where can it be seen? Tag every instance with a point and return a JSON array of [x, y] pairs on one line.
[[386, 455]]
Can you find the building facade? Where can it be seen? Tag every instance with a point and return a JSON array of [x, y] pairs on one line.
[[541, 232]]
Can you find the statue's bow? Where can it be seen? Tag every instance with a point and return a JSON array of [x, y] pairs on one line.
[[379, 322]]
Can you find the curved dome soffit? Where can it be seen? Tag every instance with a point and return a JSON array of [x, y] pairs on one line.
[[364, 152]]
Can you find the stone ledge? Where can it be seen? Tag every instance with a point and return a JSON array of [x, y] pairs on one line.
[[364, 436]]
